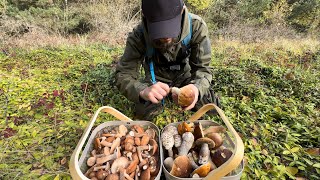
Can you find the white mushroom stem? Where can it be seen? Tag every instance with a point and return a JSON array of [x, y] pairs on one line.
[[115, 144], [107, 158], [105, 167], [129, 155]]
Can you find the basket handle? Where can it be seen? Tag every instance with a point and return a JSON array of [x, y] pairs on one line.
[[74, 166], [237, 155]]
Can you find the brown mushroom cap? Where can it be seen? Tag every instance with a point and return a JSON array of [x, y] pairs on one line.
[[185, 127], [215, 129], [186, 96], [221, 156], [154, 144], [203, 140], [101, 174], [198, 131], [216, 137], [181, 167], [145, 174], [151, 133], [203, 170], [113, 177]]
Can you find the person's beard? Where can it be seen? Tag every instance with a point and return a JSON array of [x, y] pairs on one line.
[[163, 46]]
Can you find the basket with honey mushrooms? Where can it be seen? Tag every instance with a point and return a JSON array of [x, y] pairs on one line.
[[122, 153], [193, 151]]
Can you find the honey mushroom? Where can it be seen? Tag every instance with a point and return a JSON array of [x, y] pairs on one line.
[[121, 154]]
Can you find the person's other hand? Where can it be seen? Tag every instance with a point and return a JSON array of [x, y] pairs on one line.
[[155, 93], [196, 94]]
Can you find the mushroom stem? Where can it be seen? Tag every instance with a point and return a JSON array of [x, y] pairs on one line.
[[193, 164]]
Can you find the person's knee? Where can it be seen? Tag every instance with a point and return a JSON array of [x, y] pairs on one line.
[[147, 111]]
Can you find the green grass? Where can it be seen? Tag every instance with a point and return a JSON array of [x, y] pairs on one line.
[[270, 92]]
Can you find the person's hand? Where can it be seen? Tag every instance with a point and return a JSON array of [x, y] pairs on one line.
[[195, 94], [155, 93]]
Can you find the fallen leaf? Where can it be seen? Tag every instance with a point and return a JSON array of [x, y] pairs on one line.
[[313, 151], [63, 161]]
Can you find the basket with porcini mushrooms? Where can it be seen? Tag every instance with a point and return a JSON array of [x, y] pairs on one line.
[[202, 149], [122, 149]]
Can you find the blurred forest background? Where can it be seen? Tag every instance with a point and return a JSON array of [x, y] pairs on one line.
[[54, 21]]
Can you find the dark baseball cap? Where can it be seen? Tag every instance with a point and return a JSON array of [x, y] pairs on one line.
[[163, 17]]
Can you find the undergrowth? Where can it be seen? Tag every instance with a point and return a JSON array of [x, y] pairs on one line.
[[270, 93]]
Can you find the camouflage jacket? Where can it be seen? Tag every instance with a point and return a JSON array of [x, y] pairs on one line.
[[175, 65]]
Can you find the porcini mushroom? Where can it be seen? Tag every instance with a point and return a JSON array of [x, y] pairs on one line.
[[204, 154], [221, 155], [181, 167], [216, 137], [168, 163], [215, 129], [193, 163], [198, 131], [206, 140], [187, 141], [185, 95]]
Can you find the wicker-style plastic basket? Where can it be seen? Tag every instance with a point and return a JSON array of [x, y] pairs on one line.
[[230, 170], [78, 166]]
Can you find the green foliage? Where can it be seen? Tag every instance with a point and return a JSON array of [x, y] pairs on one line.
[[305, 15], [200, 4], [270, 94]]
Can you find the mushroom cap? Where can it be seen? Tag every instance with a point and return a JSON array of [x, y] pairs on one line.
[[123, 130], [203, 170], [184, 127], [186, 96], [91, 161], [181, 167], [113, 177], [215, 129], [221, 156], [198, 131], [138, 129], [216, 137], [203, 140], [154, 144], [168, 163], [171, 130], [167, 140], [120, 162], [151, 133], [145, 174]]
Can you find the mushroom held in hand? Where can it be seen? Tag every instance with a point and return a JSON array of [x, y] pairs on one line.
[[185, 94], [187, 141], [181, 167]]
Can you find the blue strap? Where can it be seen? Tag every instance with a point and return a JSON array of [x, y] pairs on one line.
[[187, 39], [153, 77]]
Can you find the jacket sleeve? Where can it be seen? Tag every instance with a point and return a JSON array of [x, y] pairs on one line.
[[128, 68], [201, 71]]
